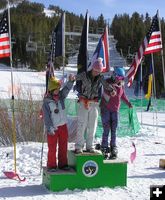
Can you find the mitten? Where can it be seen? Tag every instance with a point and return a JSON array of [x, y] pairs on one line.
[[51, 131], [130, 105]]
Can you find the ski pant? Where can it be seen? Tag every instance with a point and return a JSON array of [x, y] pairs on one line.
[[61, 138], [87, 123], [109, 122]]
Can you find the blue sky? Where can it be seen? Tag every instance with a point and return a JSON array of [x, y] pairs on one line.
[[109, 7]]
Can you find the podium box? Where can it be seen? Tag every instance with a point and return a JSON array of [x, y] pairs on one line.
[[162, 163], [87, 171]]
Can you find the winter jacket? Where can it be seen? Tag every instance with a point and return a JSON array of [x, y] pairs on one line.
[[91, 86], [52, 119], [112, 103]]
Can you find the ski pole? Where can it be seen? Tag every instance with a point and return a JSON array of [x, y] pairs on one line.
[[42, 149]]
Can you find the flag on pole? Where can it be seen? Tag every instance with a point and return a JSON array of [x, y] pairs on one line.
[[102, 50], [57, 47], [150, 44], [155, 41], [149, 91], [82, 61], [58, 39], [4, 36]]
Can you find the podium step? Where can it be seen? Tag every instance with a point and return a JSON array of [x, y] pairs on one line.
[[88, 170], [60, 171], [117, 160]]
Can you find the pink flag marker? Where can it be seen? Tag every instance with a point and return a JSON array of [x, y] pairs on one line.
[[13, 175], [133, 154]]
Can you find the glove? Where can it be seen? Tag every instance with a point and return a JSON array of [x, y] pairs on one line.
[[71, 77], [130, 105], [113, 93], [52, 131]]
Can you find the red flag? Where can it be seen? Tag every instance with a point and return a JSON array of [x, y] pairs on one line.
[[102, 50], [151, 43], [4, 36]]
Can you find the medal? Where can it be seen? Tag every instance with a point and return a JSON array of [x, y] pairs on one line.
[[56, 110]]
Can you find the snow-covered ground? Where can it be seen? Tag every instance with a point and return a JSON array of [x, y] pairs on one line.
[[143, 172]]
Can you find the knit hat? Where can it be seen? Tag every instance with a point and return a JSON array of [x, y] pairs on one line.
[[98, 65], [53, 84]]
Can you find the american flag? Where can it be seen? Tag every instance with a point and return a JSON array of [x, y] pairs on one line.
[[102, 50], [4, 36], [151, 43], [154, 37]]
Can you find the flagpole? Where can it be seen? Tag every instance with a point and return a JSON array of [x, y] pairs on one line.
[[154, 88], [107, 34], [87, 33], [63, 42], [12, 84], [51, 59], [141, 89], [153, 68], [11, 61], [161, 50]]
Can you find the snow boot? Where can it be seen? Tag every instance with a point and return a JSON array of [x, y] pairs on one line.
[[105, 151], [65, 168], [78, 151], [113, 153], [98, 146], [52, 169]]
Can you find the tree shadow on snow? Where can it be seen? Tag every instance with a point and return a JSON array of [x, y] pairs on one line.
[[155, 154], [158, 126], [18, 191], [32, 190], [154, 168], [160, 175]]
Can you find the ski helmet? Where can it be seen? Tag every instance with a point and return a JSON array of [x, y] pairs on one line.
[[119, 71]]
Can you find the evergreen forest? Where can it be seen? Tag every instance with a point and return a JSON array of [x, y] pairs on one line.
[[30, 25]]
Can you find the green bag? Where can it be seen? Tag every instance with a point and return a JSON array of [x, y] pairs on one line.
[[133, 120]]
